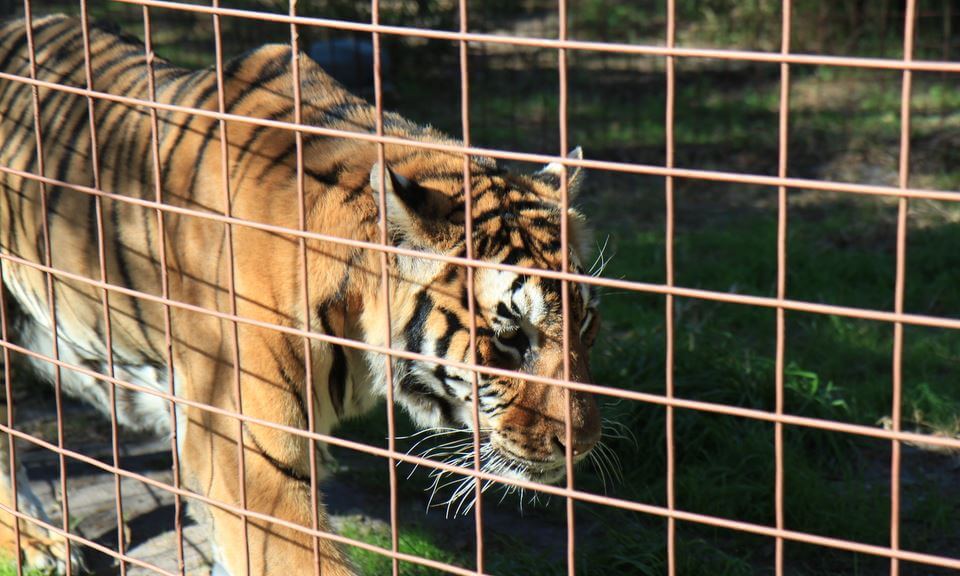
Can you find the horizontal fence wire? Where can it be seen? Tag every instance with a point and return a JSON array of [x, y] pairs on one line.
[[653, 288], [464, 39], [622, 167], [633, 49]]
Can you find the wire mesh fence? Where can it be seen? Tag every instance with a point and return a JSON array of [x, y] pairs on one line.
[[521, 84]]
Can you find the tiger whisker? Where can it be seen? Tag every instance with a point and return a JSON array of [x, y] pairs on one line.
[[462, 487], [452, 447], [429, 453], [431, 437], [611, 460], [447, 449], [470, 506], [598, 266], [615, 460], [599, 468], [459, 461], [437, 430], [437, 474], [462, 492], [466, 494], [434, 471], [620, 431], [434, 487]]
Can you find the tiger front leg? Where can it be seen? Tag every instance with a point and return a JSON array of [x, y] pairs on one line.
[[275, 481], [38, 548]]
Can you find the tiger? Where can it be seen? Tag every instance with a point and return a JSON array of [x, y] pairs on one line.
[[233, 282]]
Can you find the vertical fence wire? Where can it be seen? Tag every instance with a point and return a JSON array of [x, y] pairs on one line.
[[51, 291], [471, 300], [565, 284], [909, 26], [305, 281], [671, 88], [782, 197], [385, 286], [104, 293], [11, 445], [164, 287], [231, 285]]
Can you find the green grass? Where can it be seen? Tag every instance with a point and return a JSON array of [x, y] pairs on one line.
[[8, 567], [412, 541], [837, 369]]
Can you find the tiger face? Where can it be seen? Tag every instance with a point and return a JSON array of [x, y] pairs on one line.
[[519, 321]]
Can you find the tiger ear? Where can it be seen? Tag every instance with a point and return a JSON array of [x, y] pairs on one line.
[[552, 172], [405, 201]]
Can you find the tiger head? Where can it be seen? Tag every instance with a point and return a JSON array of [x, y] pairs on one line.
[[519, 323]]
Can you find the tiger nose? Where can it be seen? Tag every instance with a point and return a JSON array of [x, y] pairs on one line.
[[584, 438]]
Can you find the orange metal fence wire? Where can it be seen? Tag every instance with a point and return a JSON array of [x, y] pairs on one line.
[[464, 38]]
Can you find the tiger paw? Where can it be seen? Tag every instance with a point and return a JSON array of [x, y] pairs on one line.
[[49, 553]]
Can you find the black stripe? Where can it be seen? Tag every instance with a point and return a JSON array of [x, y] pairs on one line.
[[56, 192], [135, 163], [445, 407], [43, 102], [505, 312], [109, 127], [122, 145], [123, 268], [464, 301], [297, 389], [504, 404], [413, 331], [129, 61], [252, 141], [337, 377], [294, 388], [272, 71], [189, 80], [532, 205], [518, 283], [92, 229], [279, 160], [450, 275], [165, 120], [11, 89], [447, 389], [39, 244], [284, 469], [182, 130], [454, 325], [111, 29], [485, 217], [97, 69], [21, 41], [514, 256], [12, 228], [543, 222], [65, 48], [125, 171], [415, 387]]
